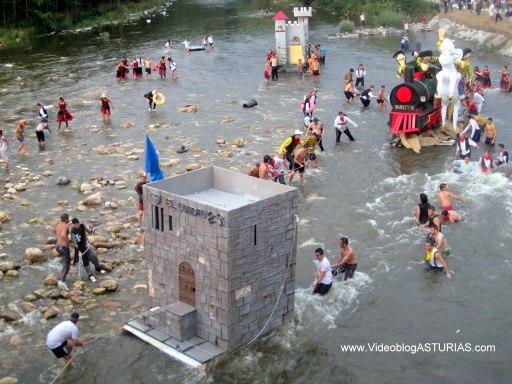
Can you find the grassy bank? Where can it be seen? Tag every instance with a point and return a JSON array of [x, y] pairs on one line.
[[23, 33], [482, 22]]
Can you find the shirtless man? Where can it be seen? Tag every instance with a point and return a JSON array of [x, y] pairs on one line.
[[318, 128], [264, 168], [347, 77], [441, 244], [445, 198], [315, 69], [61, 231], [254, 171], [347, 262], [433, 217], [299, 165]]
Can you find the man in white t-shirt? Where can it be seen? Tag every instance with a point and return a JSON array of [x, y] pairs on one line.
[[323, 276], [63, 338]]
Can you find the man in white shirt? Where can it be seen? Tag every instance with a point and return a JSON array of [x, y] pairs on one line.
[[463, 166], [463, 146], [479, 101], [502, 155], [63, 338], [210, 41], [340, 124], [476, 133], [360, 74], [323, 275]]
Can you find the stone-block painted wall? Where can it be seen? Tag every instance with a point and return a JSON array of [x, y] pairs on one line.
[[237, 281]]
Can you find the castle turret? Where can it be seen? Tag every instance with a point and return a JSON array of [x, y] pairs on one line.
[[281, 49], [303, 14]]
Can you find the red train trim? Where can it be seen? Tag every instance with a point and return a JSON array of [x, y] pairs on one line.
[[403, 122]]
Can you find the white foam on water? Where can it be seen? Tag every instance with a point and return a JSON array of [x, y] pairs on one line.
[[310, 243], [340, 302], [314, 197]]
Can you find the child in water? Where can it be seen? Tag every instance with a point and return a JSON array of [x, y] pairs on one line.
[[19, 134]]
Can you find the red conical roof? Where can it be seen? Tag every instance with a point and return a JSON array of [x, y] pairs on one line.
[[280, 16]]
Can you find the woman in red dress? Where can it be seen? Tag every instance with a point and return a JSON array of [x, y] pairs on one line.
[[486, 76], [162, 67], [122, 69], [105, 107], [267, 71], [506, 82], [63, 116]]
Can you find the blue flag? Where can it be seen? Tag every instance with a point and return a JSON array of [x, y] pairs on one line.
[[152, 164]]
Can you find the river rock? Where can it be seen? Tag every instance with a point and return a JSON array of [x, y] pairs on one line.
[[9, 380], [62, 203], [114, 228], [80, 285], [1, 275], [112, 304], [110, 285], [6, 266], [63, 180], [41, 293], [9, 316], [11, 191], [4, 217], [29, 297], [75, 299], [16, 341], [51, 280], [132, 157], [111, 204], [28, 307], [240, 143], [192, 167], [140, 286], [20, 187], [34, 255], [50, 313], [85, 187], [99, 291], [12, 274], [94, 199], [188, 109], [35, 221], [55, 294], [95, 239], [220, 141]]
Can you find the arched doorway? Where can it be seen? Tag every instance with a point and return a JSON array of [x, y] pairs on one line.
[[187, 282]]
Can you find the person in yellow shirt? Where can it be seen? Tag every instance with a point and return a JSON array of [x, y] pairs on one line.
[[287, 147]]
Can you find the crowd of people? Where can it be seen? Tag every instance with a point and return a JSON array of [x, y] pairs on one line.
[[496, 8]]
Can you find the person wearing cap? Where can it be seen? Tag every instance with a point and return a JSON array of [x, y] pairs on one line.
[[502, 155], [287, 147], [433, 257], [138, 188], [340, 125], [476, 133], [63, 338], [347, 262], [79, 232], [105, 106]]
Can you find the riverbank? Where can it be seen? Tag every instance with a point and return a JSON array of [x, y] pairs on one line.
[[478, 29], [13, 37]]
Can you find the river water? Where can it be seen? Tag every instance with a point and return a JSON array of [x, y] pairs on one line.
[[364, 190]]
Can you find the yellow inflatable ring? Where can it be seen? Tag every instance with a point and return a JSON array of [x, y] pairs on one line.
[[159, 98]]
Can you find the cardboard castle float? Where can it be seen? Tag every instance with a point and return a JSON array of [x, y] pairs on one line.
[[292, 38], [220, 252]]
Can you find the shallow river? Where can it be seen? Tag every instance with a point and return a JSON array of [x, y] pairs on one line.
[[365, 190]]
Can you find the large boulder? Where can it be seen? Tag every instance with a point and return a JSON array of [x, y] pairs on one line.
[[34, 255], [50, 313], [110, 285], [94, 199]]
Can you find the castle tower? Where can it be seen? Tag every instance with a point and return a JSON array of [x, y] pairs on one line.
[[280, 30], [220, 251], [303, 14]]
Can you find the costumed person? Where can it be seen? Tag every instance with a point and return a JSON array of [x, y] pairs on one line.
[[340, 125], [63, 116], [479, 101], [42, 111], [400, 58], [4, 150], [267, 72], [41, 126], [476, 133], [19, 135], [186, 44], [310, 143], [505, 82], [162, 67], [360, 74], [137, 69], [463, 146], [105, 107], [287, 147], [465, 69], [122, 69], [305, 104], [487, 164], [502, 155], [366, 96], [149, 96], [486, 77], [148, 63]]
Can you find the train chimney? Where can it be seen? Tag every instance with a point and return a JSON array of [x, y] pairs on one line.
[[409, 74]]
